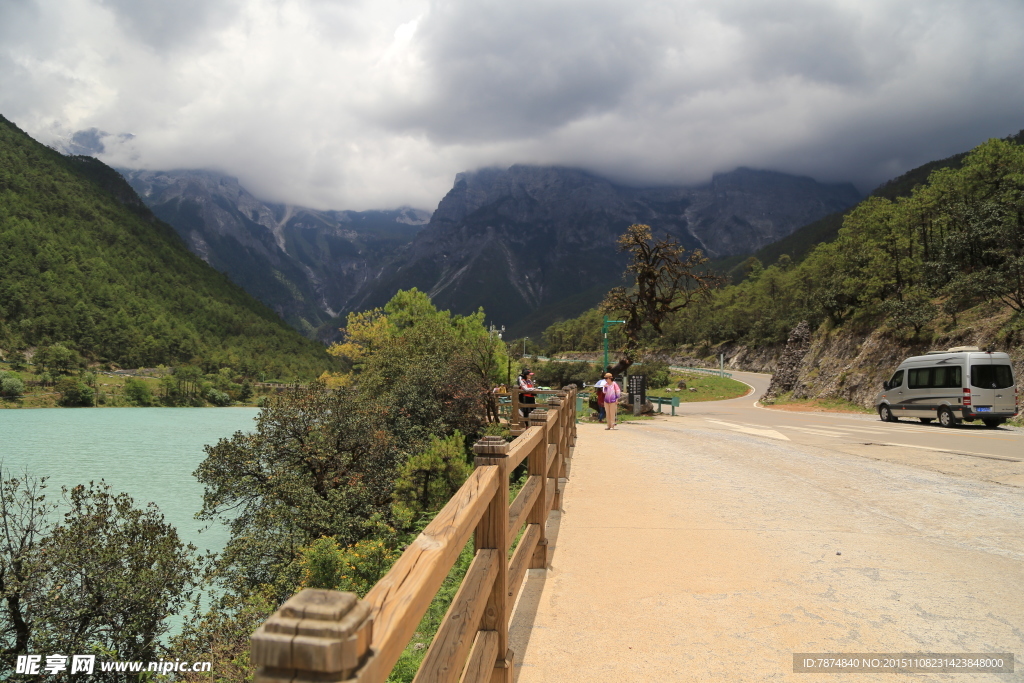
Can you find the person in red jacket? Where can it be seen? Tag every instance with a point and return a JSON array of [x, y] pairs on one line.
[[526, 383], [599, 396]]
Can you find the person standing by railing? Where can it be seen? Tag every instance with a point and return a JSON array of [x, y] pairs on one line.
[[611, 399], [526, 383]]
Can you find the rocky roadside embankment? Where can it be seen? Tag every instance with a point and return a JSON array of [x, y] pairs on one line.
[[841, 363]]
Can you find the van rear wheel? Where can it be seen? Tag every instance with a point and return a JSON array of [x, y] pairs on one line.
[[946, 418], [885, 413], [993, 423]]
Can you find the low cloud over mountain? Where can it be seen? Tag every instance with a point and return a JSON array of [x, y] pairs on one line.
[[369, 104]]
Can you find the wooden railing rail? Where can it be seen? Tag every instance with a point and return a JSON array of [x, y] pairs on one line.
[[517, 421], [323, 635]]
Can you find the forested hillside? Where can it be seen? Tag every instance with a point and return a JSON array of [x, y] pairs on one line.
[[85, 264], [801, 242], [914, 269]]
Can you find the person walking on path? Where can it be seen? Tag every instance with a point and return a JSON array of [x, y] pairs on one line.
[[611, 399]]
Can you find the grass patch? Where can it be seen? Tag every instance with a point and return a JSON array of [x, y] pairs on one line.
[[829, 405], [709, 388]]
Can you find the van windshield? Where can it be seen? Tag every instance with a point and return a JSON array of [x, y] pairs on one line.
[[991, 376]]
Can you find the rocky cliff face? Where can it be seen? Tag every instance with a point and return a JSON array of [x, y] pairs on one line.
[[530, 244], [852, 364], [305, 264]]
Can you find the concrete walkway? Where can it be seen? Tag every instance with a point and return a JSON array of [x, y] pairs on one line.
[[686, 555]]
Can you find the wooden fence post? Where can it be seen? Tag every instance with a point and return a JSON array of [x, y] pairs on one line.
[[537, 467], [516, 421], [316, 635], [561, 438], [492, 533]]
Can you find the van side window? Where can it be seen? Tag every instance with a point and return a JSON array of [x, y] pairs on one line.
[[896, 380], [942, 377], [991, 376]]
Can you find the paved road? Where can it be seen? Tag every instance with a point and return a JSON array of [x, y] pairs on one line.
[[970, 450], [715, 545]]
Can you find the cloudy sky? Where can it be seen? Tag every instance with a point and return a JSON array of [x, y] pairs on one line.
[[356, 104]]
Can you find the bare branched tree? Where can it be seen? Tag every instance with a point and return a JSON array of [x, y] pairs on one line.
[[665, 280]]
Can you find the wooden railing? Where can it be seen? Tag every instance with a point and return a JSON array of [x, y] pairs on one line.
[[516, 420], [322, 635]]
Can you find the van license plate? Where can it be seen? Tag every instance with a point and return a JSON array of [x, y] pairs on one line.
[[984, 410]]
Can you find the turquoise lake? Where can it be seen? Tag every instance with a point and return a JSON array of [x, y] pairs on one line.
[[149, 453]]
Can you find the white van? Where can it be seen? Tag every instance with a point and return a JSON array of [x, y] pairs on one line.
[[960, 384]]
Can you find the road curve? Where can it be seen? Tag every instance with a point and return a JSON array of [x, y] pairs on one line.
[[716, 544]]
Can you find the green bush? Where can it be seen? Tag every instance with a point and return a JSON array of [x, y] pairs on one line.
[[497, 429], [217, 398], [10, 384], [325, 564], [656, 372], [138, 392], [73, 392]]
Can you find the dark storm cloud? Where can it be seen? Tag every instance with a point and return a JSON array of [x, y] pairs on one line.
[[163, 25], [498, 70], [372, 103]]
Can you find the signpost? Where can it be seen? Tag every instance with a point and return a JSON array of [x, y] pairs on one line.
[[638, 392], [604, 332]]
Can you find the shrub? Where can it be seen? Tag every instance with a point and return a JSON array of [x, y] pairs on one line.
[[217, 398], [497, 429], [656, 372], [138, 392], [73, 392], [11, 385], [357, 568]]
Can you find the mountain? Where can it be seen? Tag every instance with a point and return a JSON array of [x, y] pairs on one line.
[[531, 244], [84, 262], [305, 264]]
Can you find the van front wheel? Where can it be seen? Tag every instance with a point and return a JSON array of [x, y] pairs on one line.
[[946, 418], [885, 413]]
